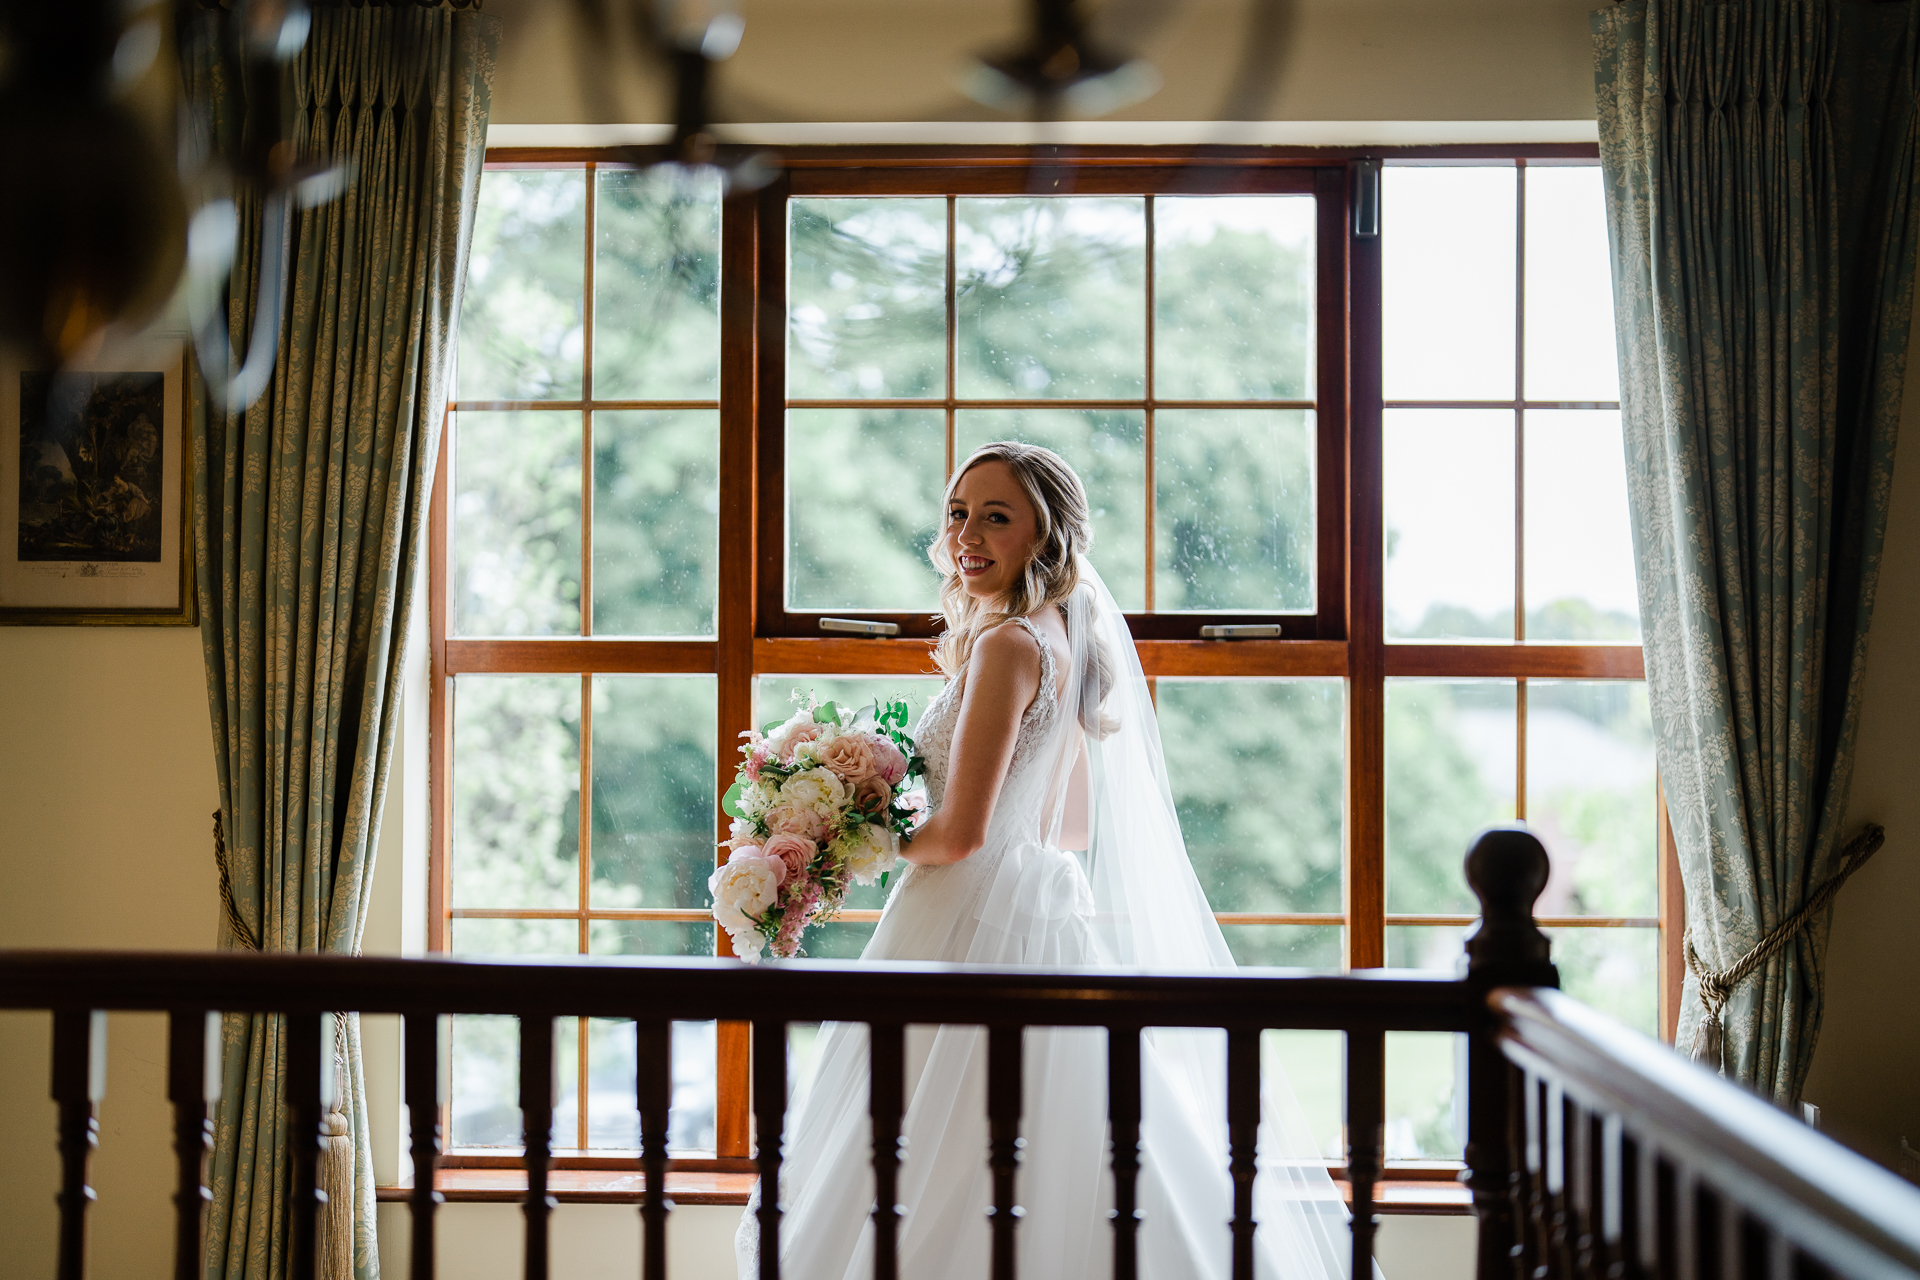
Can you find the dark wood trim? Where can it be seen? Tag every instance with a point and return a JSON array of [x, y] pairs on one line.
[[1530, 659], [1364, 878], [770, 415], [569, 655], [1197, 659], [856, 156], [1332, 322], [1079, 179], [439, 590]]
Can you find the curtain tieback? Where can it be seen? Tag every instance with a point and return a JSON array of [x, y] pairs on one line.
[[1716, 985], [236, 924]]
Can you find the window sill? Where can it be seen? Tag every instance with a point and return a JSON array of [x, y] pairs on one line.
[[1423, 1196]]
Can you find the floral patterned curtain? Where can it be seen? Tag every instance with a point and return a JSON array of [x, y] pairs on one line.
[[310, 512], [1759, 162]]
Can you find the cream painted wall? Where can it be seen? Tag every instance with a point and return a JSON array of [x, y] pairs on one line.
[[106, 794], [897, 60]]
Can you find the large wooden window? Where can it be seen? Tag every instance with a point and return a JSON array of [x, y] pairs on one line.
[[691, 432]]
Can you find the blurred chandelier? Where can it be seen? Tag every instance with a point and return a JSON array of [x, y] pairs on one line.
[[101, 221]]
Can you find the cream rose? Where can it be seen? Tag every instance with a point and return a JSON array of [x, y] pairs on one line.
[[868, 850], [850, 755], [796, 820]]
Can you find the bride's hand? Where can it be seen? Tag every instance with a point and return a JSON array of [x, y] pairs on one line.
[[1002, 678]]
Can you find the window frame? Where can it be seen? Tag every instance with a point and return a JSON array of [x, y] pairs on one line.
[[756, 634]]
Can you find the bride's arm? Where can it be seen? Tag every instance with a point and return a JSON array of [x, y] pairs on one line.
[[1002, 678]]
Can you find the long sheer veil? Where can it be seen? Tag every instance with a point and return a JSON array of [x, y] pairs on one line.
[[1150, 912]]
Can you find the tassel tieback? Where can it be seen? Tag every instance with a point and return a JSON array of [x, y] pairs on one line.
[[1716, 985]]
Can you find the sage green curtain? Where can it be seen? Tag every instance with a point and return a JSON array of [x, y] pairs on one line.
[[311, 509], [1759, 166]]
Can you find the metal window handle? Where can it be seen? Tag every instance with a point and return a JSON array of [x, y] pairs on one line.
[[1242, 631], [860, 627]]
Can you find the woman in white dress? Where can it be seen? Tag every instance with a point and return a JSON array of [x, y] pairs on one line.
[[1051, 841]]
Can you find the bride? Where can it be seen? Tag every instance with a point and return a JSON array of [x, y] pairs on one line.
[[1052, 841]]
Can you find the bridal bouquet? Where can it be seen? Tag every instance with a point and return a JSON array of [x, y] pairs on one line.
[[819, 803]]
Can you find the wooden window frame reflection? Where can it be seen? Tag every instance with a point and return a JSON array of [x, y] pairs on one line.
[[756, 634]]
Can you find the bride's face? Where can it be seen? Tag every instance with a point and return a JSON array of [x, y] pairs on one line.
[[991, 530]]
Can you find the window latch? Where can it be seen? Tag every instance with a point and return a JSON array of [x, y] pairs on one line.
[[1242, 631], [859, 627]]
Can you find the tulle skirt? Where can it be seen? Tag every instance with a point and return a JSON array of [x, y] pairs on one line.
[[1028, 906]]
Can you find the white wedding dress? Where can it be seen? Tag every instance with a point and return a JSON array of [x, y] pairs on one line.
[[1130, 899]]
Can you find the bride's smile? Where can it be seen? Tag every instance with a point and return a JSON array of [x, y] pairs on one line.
[[991, 529]]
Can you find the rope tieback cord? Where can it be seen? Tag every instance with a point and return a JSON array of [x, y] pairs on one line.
[[1716, 985], [236, 923]]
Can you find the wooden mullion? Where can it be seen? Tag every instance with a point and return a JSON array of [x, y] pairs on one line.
[[569, 655], [1197, 659], [1150, 437], [574, 406], [752, 355], [1331, 321], [1502, 404], [953, 338], [963, 402], [440, 704], [1365, 869], [1511, 661], [1231, 178], [764, 322]]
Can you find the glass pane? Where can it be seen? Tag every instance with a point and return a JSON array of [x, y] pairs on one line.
[[1052, 297], [1258, 770], [1233, 292], [653, 780], [651, 937], [516, 524], [522, 316], [1233, 510], [863, 505], [1451, 747], [1448, 482], [1435, 948], [1313, 1062], [1285, 946], [514, 937], [1617, 971], [516, 791], [613, 1114], [656, 284], [1447, 288], [1580, 575], [1108, 447], [484, 1084], [1590, 780], [1571, 352], [866, 298], [656, 522], [1423, 1120]]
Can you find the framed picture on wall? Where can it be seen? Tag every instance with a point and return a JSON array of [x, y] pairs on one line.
[[95, 516]]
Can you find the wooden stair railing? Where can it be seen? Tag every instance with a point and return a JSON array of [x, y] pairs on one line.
[[1592, 1151]]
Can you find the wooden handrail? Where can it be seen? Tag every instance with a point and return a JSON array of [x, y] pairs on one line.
[[698, 988], [1833, 1205]]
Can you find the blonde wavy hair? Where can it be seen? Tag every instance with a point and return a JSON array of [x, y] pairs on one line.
[[1050, 574]]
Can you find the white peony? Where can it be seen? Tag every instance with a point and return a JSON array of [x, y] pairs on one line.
[[868, 850], [744, 887], [817, 789]]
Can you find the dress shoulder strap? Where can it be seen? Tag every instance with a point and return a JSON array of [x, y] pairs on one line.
[[1049, 672]]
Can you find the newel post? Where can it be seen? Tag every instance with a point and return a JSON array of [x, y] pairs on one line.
[[1507, 867]]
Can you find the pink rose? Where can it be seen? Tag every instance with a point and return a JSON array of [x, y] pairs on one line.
[[851, 756], [888, 761], [795, 851], [871, 794], [785, 740], [746, 853], [755, 758], [796, 820]]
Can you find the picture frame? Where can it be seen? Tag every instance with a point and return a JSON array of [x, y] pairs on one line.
[[96, 506]]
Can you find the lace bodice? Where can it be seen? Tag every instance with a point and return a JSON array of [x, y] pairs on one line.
[[935, 733]]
